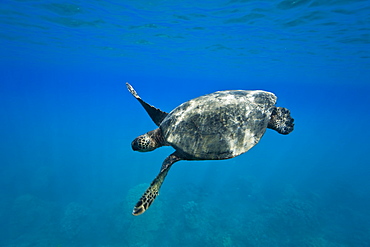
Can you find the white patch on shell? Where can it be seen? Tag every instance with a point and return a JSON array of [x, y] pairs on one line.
[[248, 139]]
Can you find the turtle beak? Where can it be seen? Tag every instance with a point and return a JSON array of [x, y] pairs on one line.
[[135, 145]]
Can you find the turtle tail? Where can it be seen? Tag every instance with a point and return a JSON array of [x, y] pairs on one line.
[[281, 121]]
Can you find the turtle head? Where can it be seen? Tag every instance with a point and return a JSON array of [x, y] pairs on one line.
[[147, 142]]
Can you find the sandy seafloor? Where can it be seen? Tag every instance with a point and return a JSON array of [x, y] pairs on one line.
[[68, 176]]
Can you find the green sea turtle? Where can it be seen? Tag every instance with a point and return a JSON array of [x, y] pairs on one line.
[[215, 126]]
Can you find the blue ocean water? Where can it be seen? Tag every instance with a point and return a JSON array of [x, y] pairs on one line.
[[68, 176]]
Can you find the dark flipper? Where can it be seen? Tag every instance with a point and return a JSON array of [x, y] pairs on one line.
[[281, 121], [151, 193], [155, 114]]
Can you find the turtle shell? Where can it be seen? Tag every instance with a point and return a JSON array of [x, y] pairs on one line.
[[219, 125]]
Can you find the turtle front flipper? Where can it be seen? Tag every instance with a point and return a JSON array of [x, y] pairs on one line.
[[155, 114], [151, 193]]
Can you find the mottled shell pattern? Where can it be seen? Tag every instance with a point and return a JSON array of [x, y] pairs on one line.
[[219, 125]]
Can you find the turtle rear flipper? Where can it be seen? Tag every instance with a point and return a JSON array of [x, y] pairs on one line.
[[281, 121], [152, 192], [155, 114]]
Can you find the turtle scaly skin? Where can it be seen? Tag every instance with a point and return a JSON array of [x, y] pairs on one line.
[[151, 193]]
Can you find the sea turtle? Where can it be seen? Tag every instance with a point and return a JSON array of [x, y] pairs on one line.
[[216, 126]]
